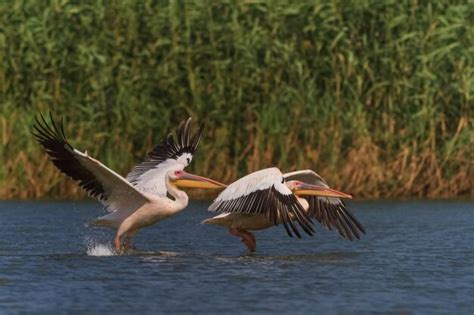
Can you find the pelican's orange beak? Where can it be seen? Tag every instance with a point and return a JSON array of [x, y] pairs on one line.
[[187, 180], [316, 190]]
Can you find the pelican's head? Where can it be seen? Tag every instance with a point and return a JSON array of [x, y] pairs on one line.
[[300, 188], [186, 180]]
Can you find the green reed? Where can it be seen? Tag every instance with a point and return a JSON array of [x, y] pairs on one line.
[[374, 95]]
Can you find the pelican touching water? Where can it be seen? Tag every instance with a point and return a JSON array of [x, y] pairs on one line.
[[267, 197], [142, 198]]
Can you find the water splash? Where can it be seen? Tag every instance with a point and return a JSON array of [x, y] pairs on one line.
[[100, 250], [98, 245]]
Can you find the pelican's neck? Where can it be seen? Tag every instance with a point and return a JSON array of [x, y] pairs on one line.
[[181, 199]]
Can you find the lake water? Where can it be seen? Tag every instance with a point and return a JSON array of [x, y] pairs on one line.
[[417, 258]]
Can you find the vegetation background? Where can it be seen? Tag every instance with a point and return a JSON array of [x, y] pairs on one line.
[[377, 96]]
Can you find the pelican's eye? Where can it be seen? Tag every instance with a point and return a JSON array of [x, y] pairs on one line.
[[178, 173], [188, 159]]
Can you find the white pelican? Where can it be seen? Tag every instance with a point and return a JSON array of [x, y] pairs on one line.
[[268, 197], [142, 198]]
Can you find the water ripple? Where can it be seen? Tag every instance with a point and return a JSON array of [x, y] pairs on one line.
[[416, 258]]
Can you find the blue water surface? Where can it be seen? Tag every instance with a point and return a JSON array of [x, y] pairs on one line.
[[417, 258]]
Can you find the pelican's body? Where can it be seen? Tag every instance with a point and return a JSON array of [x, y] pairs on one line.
[[244, 209], [241, 221], [141, 199], [154, 210], [247, 221]]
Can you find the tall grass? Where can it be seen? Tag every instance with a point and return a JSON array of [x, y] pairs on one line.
[[374, 95]]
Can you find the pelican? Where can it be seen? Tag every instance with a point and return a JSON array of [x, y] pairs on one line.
[[268, 197], [142, 198]]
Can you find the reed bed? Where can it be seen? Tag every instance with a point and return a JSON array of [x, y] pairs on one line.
[[374, 95]]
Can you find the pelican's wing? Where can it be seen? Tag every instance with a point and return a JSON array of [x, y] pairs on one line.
[[330, 212], [94, 177], [149, 176], [264, 192]]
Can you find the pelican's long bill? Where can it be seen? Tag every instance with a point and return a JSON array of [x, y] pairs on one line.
[[187, 180], [305, 189]]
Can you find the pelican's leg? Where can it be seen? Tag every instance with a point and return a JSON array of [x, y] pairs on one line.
[[118, 243], [127, 244], [254, 241], [247, 238], [124, 229]]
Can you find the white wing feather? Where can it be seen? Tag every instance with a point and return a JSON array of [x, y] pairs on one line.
[[154, 180], [259, 180], [121, 196]]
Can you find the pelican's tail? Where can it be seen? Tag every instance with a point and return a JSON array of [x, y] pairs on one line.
[[220, 219], [209, 221]]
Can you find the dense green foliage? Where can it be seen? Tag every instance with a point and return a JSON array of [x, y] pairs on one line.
[[374, 95]]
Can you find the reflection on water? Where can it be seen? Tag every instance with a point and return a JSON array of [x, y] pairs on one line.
[[417, 257]]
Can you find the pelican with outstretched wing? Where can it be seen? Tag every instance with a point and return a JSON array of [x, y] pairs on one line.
[[268, 197], [141, 199]]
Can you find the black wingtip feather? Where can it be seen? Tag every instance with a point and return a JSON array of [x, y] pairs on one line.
[[169, 148], [272, 204], [52, 138], [335, 214]]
